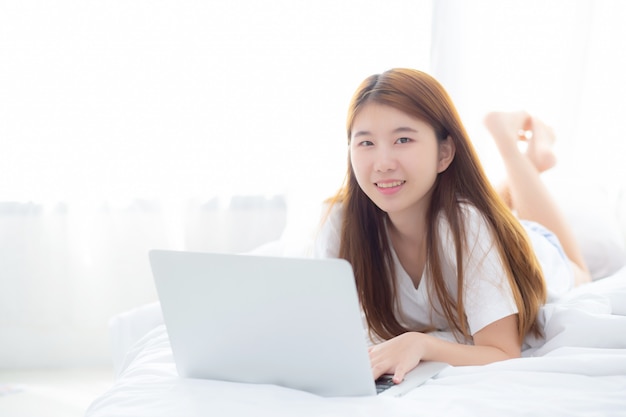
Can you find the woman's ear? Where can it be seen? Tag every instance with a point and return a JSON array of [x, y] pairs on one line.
[[446, 154]]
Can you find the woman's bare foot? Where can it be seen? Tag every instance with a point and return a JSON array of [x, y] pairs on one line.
[[540, 145], [510, 128]]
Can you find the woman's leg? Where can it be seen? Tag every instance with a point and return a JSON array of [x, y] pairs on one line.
[[524, 190]]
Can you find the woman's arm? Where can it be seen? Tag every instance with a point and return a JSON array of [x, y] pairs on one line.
[[495, 342]]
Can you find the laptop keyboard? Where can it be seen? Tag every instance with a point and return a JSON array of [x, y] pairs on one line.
[[384, 383]]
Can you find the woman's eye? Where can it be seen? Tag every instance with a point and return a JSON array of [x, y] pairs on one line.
[[366, 143], [403, 140]]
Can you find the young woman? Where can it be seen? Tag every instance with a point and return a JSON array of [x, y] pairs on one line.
[[432, 244]]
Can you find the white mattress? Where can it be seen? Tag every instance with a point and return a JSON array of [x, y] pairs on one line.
[[578, 370]]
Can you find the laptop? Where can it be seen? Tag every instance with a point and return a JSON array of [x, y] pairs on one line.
[[292, 322]]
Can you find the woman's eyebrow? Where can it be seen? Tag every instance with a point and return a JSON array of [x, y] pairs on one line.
[[361, 133], [401, 129], [404, 129]]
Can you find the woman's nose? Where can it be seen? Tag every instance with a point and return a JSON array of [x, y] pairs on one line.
[[385, 161]]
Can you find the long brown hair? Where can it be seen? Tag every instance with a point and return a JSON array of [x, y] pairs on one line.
[[364, 241]]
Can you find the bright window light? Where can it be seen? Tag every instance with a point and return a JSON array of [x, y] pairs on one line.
[[142, 99]]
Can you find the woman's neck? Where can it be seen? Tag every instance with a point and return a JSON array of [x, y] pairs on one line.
[[408, 238], [408, 229]]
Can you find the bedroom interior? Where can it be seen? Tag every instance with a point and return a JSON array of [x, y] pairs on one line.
[[219, 126]]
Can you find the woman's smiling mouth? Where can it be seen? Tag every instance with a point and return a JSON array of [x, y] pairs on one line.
[[389, 184], [389, 187]]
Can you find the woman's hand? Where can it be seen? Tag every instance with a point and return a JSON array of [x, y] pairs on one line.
[[398, 356], [495, 342]]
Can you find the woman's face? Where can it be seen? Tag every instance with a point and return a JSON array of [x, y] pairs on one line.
[[396, 158]]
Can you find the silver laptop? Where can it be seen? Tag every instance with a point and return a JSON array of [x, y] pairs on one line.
[[270, 320]]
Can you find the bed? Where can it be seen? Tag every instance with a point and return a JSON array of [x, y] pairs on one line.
[[578, 369]]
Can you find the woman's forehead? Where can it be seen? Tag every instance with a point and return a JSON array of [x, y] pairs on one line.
[[378, 116]]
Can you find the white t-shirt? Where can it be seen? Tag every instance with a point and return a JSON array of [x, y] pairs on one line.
[[487, 292]]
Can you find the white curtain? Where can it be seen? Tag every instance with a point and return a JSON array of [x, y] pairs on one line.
[[65, 270], [209, 125], [127, 125]]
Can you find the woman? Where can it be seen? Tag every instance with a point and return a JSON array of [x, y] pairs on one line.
[[432, 244]]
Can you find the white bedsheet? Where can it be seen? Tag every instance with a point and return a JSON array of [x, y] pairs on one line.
[[578, 370]]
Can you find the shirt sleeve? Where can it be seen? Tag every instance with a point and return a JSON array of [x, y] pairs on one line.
[[487, 292]]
